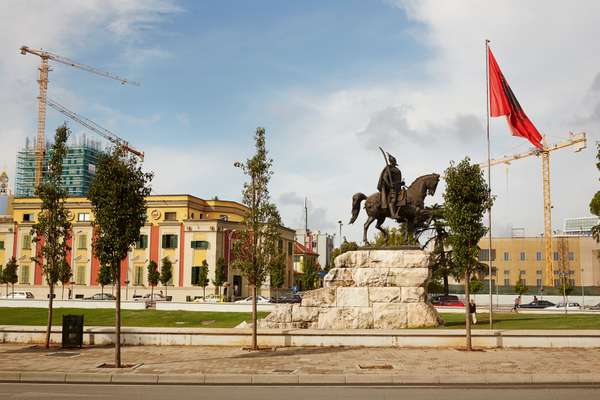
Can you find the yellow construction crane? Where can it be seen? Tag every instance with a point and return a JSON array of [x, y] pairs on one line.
[[43, 86], [579, 141], [94, 127]]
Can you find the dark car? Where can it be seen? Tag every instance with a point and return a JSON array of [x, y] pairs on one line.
[[287, 298], [447, 300], [538, 304], [101, 296]]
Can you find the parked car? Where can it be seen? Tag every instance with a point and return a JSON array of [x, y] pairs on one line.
[[101, 296], [596, 307], [211, 298], [538, 304], [287, 298], [447, 300], [259, 300], [561, 307], [20, 295], [151, 297]]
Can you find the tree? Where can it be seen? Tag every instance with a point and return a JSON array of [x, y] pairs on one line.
[[520, 288], [441, 256], [467, 197], [595, 202], [105, 276], [203, 278], [396, 237], [277, 274], [53, 229], [9, 274], [309, 273], [2, 281], [220, 276], [344, 247], [153, 277], [64, 276], [166, 272], [255, 248], [118, 196]]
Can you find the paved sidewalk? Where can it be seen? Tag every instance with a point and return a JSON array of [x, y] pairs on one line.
[[206, 365]]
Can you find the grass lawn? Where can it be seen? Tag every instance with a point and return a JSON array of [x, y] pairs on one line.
[[526, 321], [106, 317]]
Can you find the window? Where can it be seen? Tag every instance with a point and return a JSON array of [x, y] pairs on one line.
[[27, 217], [138, 276], [24, 273], [557, 283], [556, 256], [314, 244], [1, 245], [290, 248], [522, 256], [83, 217], [223, 217], [196, 276], [538, 272], [26, 242], [572, 282], [82, 242], [506, 281], [280, 246], [538, 282], [170, 216], [506, 256], [142, 242], [538, 256], [484, 255], [296, 259], [571, 256], [199, 244], [522, 272], [80, 278], [169, 241], [523, 281]]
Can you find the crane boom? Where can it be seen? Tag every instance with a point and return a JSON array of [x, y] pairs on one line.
[[43, 54], [94, 127], [579, 140]]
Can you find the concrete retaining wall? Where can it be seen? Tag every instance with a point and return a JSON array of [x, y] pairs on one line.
[[214, 307], [32, 303], [441, 338], [508, 299]]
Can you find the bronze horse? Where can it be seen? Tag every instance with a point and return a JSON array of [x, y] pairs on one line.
[[413, 212]]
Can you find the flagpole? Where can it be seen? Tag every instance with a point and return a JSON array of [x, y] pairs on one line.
[[489, 169]]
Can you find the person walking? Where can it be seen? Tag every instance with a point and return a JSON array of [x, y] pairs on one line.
[[473, 311], [517, 304]]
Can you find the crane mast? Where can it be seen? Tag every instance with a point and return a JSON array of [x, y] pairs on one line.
[[94, 127], [579, 140], [45, 56]]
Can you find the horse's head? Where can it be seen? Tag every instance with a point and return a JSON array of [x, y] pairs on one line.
[[431, 183]]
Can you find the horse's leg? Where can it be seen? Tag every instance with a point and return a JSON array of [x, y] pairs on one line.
[[380, 222], [367, 224]]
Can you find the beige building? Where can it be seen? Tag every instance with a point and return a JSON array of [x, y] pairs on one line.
[[522, 258]]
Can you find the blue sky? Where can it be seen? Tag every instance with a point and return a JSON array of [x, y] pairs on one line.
[[329, 80]]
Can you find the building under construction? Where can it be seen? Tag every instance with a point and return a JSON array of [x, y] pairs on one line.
[[79, 167]]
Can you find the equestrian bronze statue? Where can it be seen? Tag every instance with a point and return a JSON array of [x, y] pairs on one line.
[[394, 200]]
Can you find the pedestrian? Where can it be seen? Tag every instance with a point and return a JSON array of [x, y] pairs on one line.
[[535, 299], [517, 304], [473, 311], [70, 295]]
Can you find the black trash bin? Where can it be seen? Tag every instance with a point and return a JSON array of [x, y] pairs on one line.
[[72, 331]]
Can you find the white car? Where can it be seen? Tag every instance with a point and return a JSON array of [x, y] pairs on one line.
[[18, 295], [154, 297], [211, 298], [259, 300], [561, 307]]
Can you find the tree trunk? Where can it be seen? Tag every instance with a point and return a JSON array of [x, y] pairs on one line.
[[118, 317], [102, 291], [204, 293], [151, 292], [7, 290], [166, 289], [467, 312], [49, 324], [446, 285], [254, 331]]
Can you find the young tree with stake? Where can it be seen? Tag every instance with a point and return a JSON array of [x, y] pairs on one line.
[[219, 275], [203, 278], [9, 274], [118, 196], [277, 274], [153, 277], [53, 229], [255, 248], [467, 198], [105, 277], [166, 272]]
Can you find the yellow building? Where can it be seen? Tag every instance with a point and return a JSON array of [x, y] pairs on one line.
[[184, 228], [522, 258]]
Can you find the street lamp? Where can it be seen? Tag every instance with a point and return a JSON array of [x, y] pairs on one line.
[[582, 290], [340, 223]]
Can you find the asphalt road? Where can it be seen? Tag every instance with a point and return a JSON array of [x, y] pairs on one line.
[[24, 391]]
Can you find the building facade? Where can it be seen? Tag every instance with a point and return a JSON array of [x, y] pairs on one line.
[[575, 259], [184, 228], [580, 226], [301, 256], [317, 242]]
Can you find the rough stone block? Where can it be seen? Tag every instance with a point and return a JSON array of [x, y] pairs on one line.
[[371, 276], [339, 277], [324, 297], [346, 318], [389, 316], [352, 297], [411, 277], [304, 314], [282, 313], [414, 295], [416, 259], [385, 295], [383, 259], [421, 315]]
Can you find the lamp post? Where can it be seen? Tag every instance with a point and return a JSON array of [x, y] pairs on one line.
[[340, 223], [582, 290]]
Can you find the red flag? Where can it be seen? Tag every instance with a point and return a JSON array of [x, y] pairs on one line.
[[504, 102]]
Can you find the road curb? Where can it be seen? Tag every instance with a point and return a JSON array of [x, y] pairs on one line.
[[297, 380]]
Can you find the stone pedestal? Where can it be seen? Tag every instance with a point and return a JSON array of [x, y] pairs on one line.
[[367, 289]]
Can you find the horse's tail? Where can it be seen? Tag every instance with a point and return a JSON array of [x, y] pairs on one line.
[[356, 200]]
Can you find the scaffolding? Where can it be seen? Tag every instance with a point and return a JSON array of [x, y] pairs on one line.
[[79, 167]]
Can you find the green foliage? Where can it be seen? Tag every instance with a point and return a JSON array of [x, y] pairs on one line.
[[255, 248], [65, 273], [105, 276], [9, 273], [475, 286], [310, 273], [118, 196], [52, 230], [566, 288], [441, 263], [153, 274], [345, 247], [166, 271], [396, 237], [520, 288], [277, 272], [219, 272], [203, 277], [595, 203]]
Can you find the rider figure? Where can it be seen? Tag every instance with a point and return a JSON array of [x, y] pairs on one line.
[[390, 186]]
